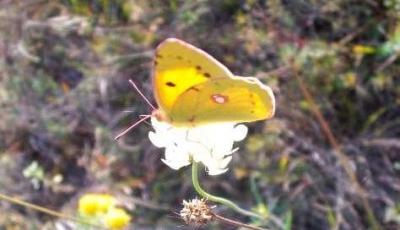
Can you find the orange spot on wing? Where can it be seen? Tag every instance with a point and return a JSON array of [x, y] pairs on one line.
[[219, 98]]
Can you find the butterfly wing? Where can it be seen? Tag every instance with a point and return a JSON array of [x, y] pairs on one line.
[[179, 66], [237, 99]]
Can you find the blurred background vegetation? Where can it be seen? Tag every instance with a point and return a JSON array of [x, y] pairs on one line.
[[64, 96]]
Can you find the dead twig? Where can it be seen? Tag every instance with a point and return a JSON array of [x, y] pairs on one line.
[[235, 223]]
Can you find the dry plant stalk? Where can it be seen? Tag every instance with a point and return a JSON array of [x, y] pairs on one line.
[[342, 157]]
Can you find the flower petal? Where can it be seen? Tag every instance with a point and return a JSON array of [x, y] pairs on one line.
[[157, 140], [210, 144], [240, 132]]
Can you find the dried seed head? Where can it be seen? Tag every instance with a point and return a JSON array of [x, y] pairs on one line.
[[196, 212]]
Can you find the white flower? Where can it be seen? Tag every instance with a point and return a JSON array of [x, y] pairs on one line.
[[392, 213], [210, 144]]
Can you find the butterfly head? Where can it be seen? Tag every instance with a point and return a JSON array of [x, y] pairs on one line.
[[160, 115]]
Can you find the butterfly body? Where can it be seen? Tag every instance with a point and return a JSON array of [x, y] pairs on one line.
[[192, 88]]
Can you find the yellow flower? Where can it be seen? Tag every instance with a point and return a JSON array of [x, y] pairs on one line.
[[262, 209], [283, 162], [241, 18], [117, 218], [350, 79], [362, 49], [91, 204]]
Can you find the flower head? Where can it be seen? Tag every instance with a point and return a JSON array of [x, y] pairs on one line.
[[363, 49], [210, 144], [196, 212], [92, 204], [117, 218], [101, 209]]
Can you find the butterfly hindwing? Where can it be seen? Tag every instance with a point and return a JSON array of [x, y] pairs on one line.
[[238, 99]]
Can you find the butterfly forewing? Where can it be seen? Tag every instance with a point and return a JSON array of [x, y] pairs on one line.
[[179, 66]]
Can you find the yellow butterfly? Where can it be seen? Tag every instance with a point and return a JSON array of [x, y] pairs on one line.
[[193, 88]]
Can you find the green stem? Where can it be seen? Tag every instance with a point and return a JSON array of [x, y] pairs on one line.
[[216, 199]]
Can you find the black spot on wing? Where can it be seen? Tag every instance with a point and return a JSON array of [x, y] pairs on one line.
[[198, 67], [192, 119], [170, 84], [253, 103], [207, 75]]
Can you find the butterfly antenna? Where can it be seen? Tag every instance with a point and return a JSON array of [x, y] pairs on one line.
[[132, 126], [141, 94]]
